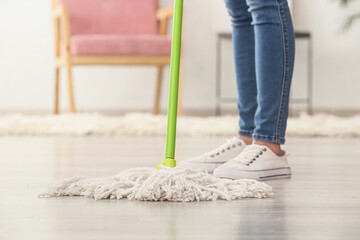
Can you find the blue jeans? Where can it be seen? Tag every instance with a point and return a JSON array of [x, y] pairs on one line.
[[264, 49]]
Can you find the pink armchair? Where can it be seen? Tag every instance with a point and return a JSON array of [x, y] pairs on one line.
[[110, 32]]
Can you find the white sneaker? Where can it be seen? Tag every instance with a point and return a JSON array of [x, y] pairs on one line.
[[211, 160], [255, 162]]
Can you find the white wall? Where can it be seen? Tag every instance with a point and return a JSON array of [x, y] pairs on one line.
[[26, 61], [336, 55]]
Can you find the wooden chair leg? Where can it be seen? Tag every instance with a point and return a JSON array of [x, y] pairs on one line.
[[70, 86], [156, 109], [57, 83]]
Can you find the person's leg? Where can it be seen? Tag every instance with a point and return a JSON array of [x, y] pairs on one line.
[[244, 55], [274, 57], [274, 60]]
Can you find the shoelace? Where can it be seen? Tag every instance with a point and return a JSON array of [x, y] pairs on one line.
[[250, 154], [230, 143]]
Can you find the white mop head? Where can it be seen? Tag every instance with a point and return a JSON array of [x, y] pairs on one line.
[[146, 184]]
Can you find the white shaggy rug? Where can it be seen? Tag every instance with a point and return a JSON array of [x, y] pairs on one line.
[[147, 184], [145, 124]]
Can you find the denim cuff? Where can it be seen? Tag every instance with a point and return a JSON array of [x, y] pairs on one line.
[[270, 139], [245, 133]]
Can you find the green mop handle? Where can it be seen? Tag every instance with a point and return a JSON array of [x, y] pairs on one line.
[[174, 86]]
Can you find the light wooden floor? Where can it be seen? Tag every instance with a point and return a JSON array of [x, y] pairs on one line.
[[321, 201]]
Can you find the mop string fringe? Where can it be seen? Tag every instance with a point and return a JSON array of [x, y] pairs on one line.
[[178, 184]]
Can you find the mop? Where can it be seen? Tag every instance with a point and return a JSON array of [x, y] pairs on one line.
[[168, 182]]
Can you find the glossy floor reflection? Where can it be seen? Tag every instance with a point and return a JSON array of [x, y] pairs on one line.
[[321, 201]]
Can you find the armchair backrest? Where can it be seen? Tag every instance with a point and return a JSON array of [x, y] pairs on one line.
[[112, 16]]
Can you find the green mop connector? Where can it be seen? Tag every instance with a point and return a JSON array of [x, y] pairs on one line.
[[168, 162], [174, 86]]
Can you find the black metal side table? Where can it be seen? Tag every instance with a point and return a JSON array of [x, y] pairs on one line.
[[308, 100]]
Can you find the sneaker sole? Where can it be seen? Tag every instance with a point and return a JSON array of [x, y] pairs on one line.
[[263, 175], [206, 167]]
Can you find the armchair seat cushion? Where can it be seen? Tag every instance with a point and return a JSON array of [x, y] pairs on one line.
[[120, 45]]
